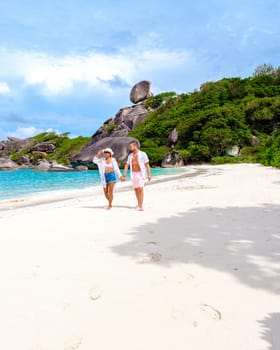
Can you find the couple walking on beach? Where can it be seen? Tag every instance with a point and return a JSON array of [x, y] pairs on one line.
[[137, 161]]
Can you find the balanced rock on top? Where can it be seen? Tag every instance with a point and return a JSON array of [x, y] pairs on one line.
[[140, 92]]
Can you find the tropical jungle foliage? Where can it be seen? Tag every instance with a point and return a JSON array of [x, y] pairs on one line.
[[220, 115], [66, 147]]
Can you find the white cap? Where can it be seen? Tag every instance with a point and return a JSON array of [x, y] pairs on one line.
[[108, 150]]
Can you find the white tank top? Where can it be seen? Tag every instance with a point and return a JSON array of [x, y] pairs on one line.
[[108, 165]]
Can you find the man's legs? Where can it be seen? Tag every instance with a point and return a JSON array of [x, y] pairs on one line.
[[139, 192]]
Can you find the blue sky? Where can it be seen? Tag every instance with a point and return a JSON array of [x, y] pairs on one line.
[[69, 65]]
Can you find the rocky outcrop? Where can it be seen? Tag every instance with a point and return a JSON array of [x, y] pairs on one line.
[[113, 133], [39, 155], [60, 168], [52, 166], [43, 165], [25, 160], [46, 147], [81, 168], [172, 160], [13, 145], [140, 92], [120, 146], [123, 122], [127, 118], [7, 164], [173, 138]]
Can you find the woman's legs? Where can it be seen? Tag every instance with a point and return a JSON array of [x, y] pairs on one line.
[[109, 193], [106, 192]]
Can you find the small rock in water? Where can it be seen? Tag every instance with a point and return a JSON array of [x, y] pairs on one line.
[[81, 168]]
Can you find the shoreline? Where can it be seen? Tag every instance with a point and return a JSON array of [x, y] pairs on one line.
[[60, 196], [56, 196]]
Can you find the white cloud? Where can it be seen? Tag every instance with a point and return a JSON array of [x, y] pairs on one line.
[[56, 131], [26, 132], [4, 88], [58, 75]]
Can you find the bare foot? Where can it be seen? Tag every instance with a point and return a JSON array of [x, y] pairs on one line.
[[109, 207], [140, 209]]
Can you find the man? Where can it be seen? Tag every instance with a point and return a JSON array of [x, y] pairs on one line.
[[138, 162]]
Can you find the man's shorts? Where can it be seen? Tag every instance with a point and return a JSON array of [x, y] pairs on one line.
[[137, 180]]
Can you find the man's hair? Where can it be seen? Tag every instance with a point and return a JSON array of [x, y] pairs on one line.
[[135, 143]]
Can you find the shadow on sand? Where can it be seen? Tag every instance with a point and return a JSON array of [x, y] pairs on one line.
[[271, 327], [242, 241]]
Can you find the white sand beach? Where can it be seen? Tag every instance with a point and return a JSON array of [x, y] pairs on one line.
[[198, 269]]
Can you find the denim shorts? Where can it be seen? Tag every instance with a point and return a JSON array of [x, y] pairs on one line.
[[110, 177]]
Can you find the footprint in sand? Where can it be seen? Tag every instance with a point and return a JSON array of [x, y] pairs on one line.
[[196, 316], [73, 344], [66, 306], [156, 257], [94, 293], [177, 314], [214, 313], [152, 243], [189, 276], [142, 260], [153, 257]]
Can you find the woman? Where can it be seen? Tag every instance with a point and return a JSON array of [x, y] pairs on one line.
[[109, 171]]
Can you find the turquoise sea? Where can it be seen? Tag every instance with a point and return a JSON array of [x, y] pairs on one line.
[[26, 182]]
